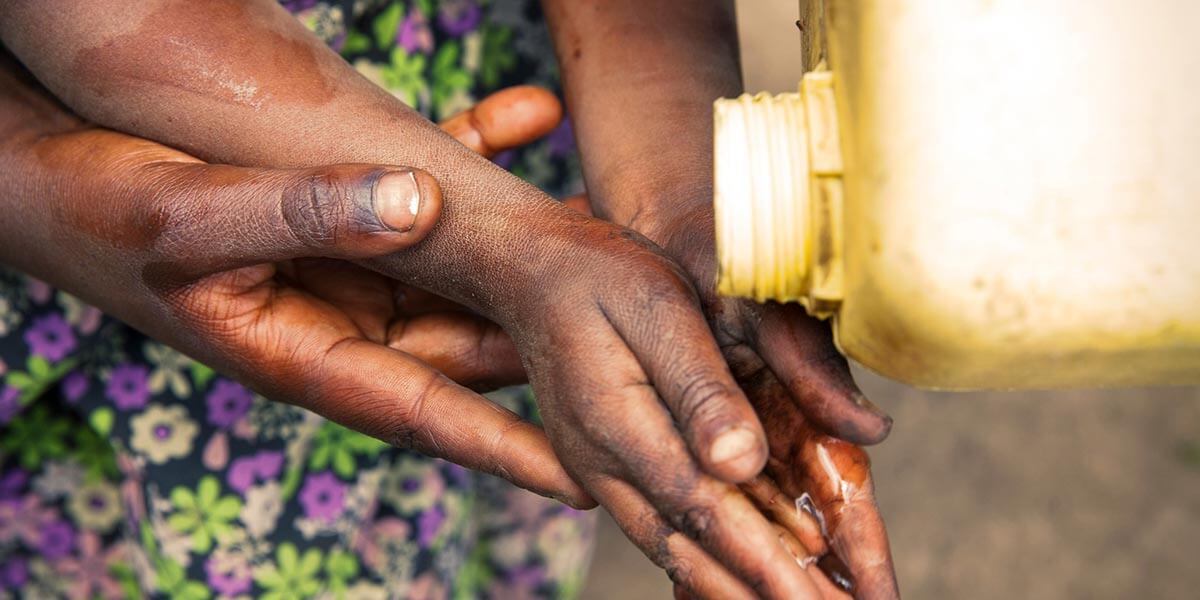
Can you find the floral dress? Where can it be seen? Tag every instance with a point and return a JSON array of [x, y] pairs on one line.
[[128, 470]]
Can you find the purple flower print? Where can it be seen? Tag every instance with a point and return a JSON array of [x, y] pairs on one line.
[[74, 386], [50, 337], [227, 576], [458, 16], [414, 34], [10, 403], [127, 386], [322, 496], [429, 524], [505, 159], [295, 6], [248, 470], [12, 483], [561, 141], [457, 474], [529, 576], [14, 574], [227, 402], [57, 540]]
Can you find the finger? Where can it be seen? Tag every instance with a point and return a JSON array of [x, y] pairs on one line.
[[293, 347], [788, 512], [800, 351], [509, 118], [675, 348], [713, 513], [579, 203], [793, 545], [694, 572], [467, 348], [220, 217], [400, 400], [830, 590], [835, 475], [860, 540], [364, 295]]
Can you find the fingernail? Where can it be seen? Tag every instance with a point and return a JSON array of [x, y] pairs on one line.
[[398, 200], [866, 403], [732, 445]]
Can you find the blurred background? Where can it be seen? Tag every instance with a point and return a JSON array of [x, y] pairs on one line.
[[1072, 495]]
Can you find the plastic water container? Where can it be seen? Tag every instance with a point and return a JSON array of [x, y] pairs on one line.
[[999, 194]]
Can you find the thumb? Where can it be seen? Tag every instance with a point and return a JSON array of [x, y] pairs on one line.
[[221, 217]]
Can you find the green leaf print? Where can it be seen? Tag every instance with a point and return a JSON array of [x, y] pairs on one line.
[[101, 420], [386, 24], [337, 446], [173, 582], [204, 514], [95, 454], [292, 577], [38, 437], [405, 77], [340, 566], [356, 43], [449, 78], [201, 374], [498, 55], [475, 574], [39, 375]]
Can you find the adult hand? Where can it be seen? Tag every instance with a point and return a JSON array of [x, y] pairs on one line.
[[242, 269]]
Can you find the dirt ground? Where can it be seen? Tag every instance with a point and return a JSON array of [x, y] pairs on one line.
[[1064, 495]]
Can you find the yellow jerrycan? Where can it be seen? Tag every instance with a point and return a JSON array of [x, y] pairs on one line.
[[998, 194]]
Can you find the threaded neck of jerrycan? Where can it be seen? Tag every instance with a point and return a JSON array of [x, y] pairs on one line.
[[777, 194]]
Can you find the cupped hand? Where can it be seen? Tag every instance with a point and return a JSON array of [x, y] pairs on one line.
[[245, 270], [818, 492], [813, 413], [819, 489]]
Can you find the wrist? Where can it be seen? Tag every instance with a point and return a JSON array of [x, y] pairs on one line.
[[654, 202], [678, 218]]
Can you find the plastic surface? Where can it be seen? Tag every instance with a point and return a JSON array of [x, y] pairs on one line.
[[1020, 200]]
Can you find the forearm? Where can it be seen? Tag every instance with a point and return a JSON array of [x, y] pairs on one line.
[[244, 83], [640, 78]]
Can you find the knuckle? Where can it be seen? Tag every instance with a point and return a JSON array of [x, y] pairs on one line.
[[315, 209], [410, 423], [493, 461], [680, 571], [695, 522], [701, 398]]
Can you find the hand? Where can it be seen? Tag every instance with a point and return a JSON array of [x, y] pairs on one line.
[[817, 491], [235, 267], [804, 395]]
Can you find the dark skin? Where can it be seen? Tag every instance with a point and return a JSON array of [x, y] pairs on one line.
[[569, 290], [640, 77], [332, 338], [704, 508]]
